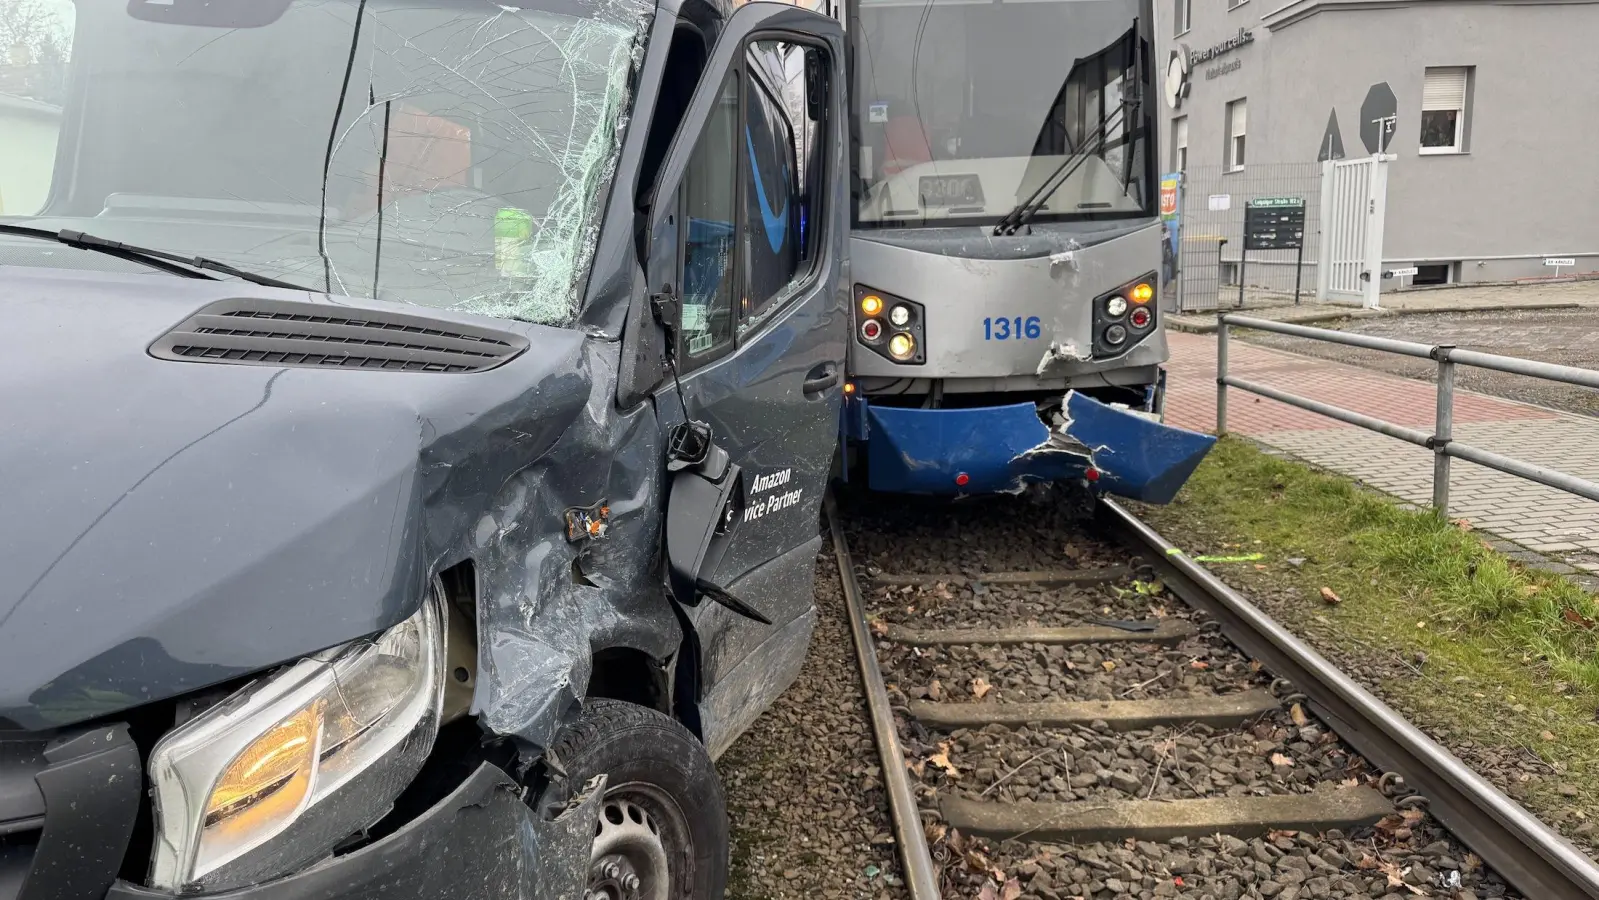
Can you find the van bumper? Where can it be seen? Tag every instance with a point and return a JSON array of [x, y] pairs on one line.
[[482, 841]]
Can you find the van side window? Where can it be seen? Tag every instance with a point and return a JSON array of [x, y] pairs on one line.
[[709, 204], [771, 177]]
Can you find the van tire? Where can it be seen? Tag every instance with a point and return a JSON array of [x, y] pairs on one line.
[[655, 766]]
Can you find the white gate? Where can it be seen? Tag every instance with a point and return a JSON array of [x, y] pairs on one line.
[[1354, 193]]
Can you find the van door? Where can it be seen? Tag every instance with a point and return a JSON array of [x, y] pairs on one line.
[[747, 274]]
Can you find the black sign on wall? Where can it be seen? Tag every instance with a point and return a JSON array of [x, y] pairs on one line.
[[1274, 223]]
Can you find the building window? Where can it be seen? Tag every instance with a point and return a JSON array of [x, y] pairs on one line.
[[1443, 109], [1234, 4], [1236, 115], [1182, 15], [1179, 144]]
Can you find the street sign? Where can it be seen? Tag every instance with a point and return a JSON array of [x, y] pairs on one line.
[[1378, 117], [1560, 261], [1274, 223], [1400, 273]]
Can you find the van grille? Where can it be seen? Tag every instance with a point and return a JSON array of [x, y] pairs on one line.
[[315, 335]]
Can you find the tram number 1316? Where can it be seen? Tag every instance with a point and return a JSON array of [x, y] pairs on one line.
[[1014, 328]]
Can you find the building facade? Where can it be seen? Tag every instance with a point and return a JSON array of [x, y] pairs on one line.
[[1485, 105]]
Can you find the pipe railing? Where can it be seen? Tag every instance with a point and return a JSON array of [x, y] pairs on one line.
[[1441, 440]]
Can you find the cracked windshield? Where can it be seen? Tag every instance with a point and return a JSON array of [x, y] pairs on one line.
[[965, 110], [447, 153]]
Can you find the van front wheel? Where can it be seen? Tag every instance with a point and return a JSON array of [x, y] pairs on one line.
[[662, 832]]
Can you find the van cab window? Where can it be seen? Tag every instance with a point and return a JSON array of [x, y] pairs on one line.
[[710, 212], [771, 181]]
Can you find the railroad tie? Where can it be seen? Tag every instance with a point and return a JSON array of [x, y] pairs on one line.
[[1217, 711], [1088, 821], [1051, 578], [1165, 631]]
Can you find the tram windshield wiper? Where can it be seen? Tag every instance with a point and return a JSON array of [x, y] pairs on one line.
[[173, 263], [1018, 218]]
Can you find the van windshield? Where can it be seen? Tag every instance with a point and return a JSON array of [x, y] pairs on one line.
[[448, 153], [963, 108]]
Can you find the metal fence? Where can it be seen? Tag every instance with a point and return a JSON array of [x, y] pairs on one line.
[[1440, 441], [1212, 235]]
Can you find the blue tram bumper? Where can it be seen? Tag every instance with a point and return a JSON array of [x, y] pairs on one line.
[[998, 449]]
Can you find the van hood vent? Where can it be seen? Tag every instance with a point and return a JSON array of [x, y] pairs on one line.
[[253, 331]]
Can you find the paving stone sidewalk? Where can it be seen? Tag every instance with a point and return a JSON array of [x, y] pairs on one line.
[[1539, 518]]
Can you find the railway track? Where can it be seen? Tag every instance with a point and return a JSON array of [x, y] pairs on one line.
[[1065, 712]]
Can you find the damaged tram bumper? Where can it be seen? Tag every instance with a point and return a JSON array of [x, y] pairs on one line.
[[1002, 449]]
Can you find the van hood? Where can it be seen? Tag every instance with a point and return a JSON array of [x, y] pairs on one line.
[[169, 525]]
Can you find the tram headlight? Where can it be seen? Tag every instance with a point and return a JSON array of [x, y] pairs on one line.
[[890, 327], [1115, 334], [1115, 306], [901, 346]]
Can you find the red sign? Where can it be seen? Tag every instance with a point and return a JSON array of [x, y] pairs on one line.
[[1168, 197]]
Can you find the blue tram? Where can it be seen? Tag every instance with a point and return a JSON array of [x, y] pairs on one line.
[[1006, 251]]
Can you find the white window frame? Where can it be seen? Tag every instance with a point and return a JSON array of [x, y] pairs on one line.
[[1459, 106], [1234, 4], [1236, 131], [1179, 142], [1183, 16]]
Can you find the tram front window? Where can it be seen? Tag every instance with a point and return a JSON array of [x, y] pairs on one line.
[[964, 108]]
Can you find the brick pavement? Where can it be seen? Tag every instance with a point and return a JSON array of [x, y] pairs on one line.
[[1540, 518]]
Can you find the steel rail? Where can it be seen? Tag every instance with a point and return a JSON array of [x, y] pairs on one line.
[[921, 875], [1532, 857]]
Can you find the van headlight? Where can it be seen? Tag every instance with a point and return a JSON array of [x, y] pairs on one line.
[[275, 776]]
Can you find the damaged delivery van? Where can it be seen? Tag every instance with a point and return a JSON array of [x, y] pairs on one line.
[[416, 420]]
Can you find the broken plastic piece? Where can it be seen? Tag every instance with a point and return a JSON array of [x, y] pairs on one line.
[[586, 522], [1247, 557]]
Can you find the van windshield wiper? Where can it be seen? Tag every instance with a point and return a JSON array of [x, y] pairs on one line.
[[1025, 210], [157, 259]]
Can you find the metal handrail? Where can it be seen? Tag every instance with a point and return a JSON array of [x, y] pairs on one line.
[[1441, 441]]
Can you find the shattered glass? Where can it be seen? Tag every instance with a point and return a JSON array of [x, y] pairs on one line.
[[447, 153]]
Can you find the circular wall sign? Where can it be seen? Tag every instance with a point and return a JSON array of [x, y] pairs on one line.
[[1176, 77]]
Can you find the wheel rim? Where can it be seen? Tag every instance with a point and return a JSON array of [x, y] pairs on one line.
[[640, 841]]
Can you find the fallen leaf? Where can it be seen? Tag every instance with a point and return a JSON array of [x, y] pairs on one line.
[[1328, 596], [1109, 665], [935, 831], [1255, 665], [1471, 862], [1199, 664], [1350, 782], [935, 690], [1277, 759], [980, 687], [1259, 566], [1277, 835], [916, 766], [1548, 735], [1463, 524], [1412, 817], [1367, 863], [878, 627], [1070, 666], [988, 892], [1013, 889], [1158, 612], [941, 759], [1577, 618], [1297, 713]]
